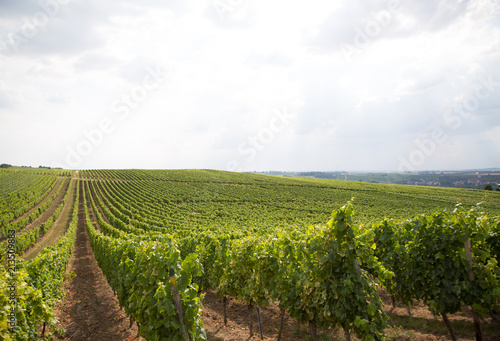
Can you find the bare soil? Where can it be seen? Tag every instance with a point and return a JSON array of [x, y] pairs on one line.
[[90, 311], [51, 193], [50, 210], [58, 229], [238, 318], [420, 325]]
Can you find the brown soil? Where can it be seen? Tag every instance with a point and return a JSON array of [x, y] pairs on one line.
[[90, 311], [50, 210], [51, 193], [238, 316], [59, 228], [427, 327]]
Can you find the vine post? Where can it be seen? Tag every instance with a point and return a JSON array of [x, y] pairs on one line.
[[312, 328], [250, 325], [448, 325], [346, 333], [224, 300], [260, 324], [282, 320], [477, 322], [178, 303]]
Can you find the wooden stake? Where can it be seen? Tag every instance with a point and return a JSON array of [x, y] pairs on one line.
[[260, 324], [250, 326], [448, 325], [477, 322], [312, 328], [393, 299], [346, 333], [225, 313], [281, 324], [178, 307]]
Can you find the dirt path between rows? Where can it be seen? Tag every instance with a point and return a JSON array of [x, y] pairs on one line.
[[50, 210], [58, 229], [44, 200], [90, 311]]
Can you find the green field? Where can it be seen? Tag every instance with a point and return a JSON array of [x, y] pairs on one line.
[[318, 250], [211, 198]]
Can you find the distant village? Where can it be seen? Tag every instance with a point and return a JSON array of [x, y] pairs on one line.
[[480, 179], [477, 180]]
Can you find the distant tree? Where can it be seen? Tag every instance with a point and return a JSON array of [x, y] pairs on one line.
[[498, 188], [5, 165], [488, 187]]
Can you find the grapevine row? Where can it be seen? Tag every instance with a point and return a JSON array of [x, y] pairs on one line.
[[15, 204], [38, 288], [306, 270], [130, 265]]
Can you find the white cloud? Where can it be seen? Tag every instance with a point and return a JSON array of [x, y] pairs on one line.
[[360, 110], [8, 97]]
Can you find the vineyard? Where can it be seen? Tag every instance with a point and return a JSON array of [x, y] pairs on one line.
[[322, 253]]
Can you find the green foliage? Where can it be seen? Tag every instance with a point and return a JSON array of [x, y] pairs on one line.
[[427, 255], [163, 236], [178, 201], [138, 269], [20, 190], [250, 235], [37, 287], [320, 275], [28, 238]]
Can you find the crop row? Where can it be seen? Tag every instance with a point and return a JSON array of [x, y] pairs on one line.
[[30, 290], [322, 275]]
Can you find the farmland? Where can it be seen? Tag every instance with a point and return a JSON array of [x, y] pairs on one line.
[[165, 238]]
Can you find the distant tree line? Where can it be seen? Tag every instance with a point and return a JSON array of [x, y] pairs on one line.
[[6, 165]]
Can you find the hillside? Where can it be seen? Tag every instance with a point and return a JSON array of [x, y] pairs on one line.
[[209, 249], [217, 196]]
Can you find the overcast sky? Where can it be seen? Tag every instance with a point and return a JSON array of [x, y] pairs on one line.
[[250, 85]]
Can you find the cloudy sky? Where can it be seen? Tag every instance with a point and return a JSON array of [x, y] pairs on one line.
[[250, 85]]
